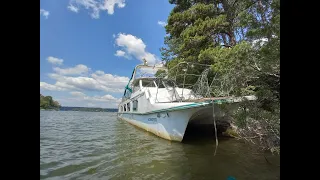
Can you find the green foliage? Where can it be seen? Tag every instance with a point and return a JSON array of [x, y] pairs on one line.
[[179, 21], [159, 73], [259, 124], [241, 42], [46, 102]]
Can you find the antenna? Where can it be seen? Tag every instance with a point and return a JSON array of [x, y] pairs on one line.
[[145, 62]]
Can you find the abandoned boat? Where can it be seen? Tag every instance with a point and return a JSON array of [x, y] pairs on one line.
[[158, 104]]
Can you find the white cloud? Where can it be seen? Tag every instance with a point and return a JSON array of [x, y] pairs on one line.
[[99, 72], [104, 98], [79, 80], [77, 70], [109, 81], [96, 6], [134, 46], [66, 86], [77, 93], [44, 13], [50, 87], [80, 102], [109, 5], [91, 105], [162, 23], [73, 8], [98, 81], [81, 97], [54, 60], [120, 53]]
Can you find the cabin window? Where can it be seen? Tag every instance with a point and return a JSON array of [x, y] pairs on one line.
[[169, 83], [135, 105], [128, 106], [127, 94], [124, 106], [148, 83], [136, 86], [159, 83]]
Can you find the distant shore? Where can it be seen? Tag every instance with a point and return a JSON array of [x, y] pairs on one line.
[[87, 109]]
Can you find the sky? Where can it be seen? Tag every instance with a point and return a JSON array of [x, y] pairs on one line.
[[88, 48]]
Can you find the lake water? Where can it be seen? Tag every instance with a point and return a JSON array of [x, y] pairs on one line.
[[96, 145]]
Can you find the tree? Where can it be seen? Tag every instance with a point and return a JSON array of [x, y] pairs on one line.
[[46, 102], [241, 42]]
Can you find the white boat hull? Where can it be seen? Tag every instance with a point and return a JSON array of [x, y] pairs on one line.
[[160, 106], [171, 125], [168, 125]]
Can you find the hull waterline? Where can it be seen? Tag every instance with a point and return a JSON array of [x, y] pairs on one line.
[[167, 125]]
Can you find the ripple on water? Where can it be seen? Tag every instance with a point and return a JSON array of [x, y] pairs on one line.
[[89, 145]]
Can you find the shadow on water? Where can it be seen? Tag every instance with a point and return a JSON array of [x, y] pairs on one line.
[[195, 133], [234, 159], [193, 158]]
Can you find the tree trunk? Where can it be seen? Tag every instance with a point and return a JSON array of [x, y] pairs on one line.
[[261, 9], [227, 10], [263, 18], [224, 39], [232, 38]]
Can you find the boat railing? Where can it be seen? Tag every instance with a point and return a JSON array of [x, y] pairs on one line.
[[191, 82]]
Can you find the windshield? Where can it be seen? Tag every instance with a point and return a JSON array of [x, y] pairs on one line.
[[164, 83], [147, 72]]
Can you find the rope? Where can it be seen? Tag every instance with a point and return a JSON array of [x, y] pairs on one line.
[[215, 128]]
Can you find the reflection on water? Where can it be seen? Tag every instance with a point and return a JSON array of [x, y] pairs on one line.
[[95, 145]]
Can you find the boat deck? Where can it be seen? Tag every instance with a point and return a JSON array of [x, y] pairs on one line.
[[221, 99]]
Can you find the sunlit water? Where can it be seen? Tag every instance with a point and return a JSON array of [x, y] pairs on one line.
[[94, 145]]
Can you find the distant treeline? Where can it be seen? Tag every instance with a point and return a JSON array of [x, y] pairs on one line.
[[88, 109]]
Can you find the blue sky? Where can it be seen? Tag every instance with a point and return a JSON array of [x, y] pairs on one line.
[[88, 48]]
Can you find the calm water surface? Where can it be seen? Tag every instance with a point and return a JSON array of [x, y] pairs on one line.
[[95, 145]]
